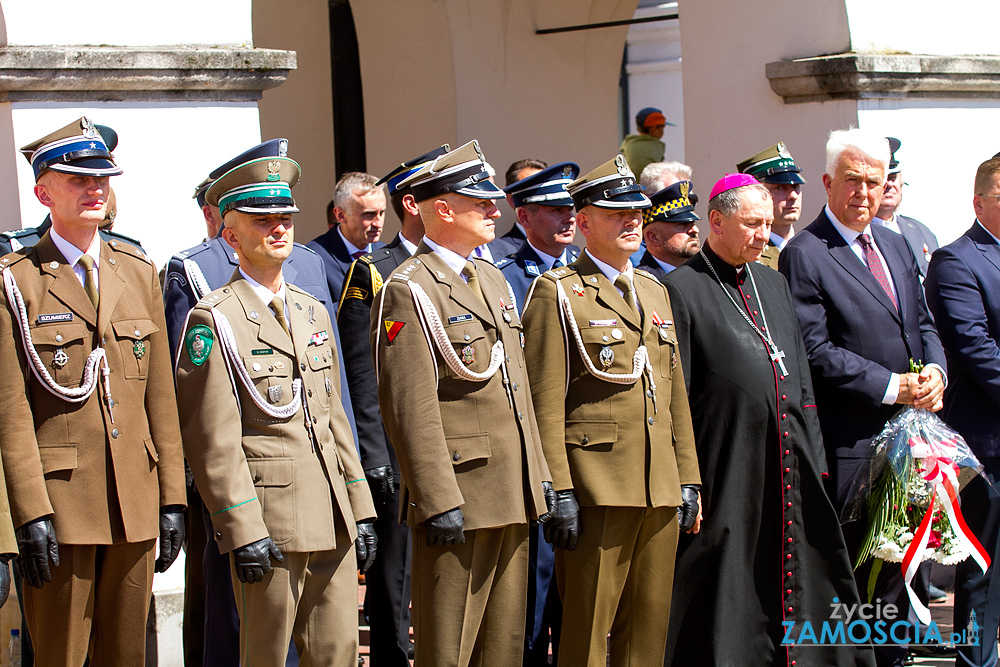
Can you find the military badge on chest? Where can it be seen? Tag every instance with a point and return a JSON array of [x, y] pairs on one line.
[[60, 358], [274, 393], [139, 349], [468, 355], [606, 356]]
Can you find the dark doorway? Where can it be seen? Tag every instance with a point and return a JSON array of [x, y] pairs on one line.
[[348, 101]]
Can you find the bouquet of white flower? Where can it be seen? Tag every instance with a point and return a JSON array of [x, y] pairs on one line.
[[908, 494]]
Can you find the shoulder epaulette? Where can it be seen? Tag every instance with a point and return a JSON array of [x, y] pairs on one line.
[[504, 262], [10, 259], [405, 270], [191, 252], [17, 233], [116, 235], [557, 273], [127, 248], [644, 273], [212, 299], [299, 290]]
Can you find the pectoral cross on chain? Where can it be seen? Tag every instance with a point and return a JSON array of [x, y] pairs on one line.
[[777, 356]]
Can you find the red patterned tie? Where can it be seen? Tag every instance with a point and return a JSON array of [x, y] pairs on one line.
[[359, 253], [875, 266]]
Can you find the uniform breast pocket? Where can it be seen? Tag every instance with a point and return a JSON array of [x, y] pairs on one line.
[[321, 369], [272, 376], [133, 342], [606, 349], [471, 344], [63, 349], [668, 351]]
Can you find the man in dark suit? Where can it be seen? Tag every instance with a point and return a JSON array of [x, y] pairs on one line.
[[963, 291], [358, 215], [670, 230], [387, 583], [863, 318], [515, 236], [919, 237], [544, 210]]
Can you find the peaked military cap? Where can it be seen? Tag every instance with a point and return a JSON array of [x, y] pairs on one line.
[[671, 204], [258, 181], [894, 145], [200, 190], [546, 187], [612, 185], [772, 165], [462, 171], [408, 168], [78, 148]]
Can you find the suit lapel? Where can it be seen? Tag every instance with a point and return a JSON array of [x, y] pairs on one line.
[[844, 255], [607, 293], [268, 329], [111, 288], [65, 286], [897, 265]]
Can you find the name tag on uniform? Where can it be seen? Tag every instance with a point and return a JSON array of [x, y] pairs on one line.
[[55, 317], [460, 318], [603, 323], [262, 351]]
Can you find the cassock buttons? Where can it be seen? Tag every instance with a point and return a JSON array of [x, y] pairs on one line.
[[786, 452], [788, 591], [784, 397], [785, 435], [789, 540], [784, 417], [789, 503], [790, 610], [788, 470], [788, 487]]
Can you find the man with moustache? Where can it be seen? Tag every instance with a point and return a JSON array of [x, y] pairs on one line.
[[608, 388], [670, 230], [770, 551], [776, 170], [267, 438], [453, 392], [863, 319]]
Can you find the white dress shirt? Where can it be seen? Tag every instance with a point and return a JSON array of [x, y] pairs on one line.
[[73, 255]]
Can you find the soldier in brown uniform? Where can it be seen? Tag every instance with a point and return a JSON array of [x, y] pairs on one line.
[[608, 389], [454, 397], [267, 437], [92, 451]]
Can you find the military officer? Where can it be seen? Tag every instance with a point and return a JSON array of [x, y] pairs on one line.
[[776, 170], [267, 438], [454, 398], [612, 409], [387, 584], [91, 445], [670, 229]]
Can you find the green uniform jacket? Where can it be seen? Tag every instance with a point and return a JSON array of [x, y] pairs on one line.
[[261, 475], [611, 443], [460, 443], [103, 481]]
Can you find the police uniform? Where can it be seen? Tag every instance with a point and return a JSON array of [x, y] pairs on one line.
[[520, 268], [609, 393], [91, 441], [387, 583], [455, 401], [270, 447], [773, 165], [673, 204]]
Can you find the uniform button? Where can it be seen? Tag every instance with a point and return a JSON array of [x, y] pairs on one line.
[[138, 333], [790, 611], [455, 457], [649, 392], [255, 366], [111, 261], [786, 452], [650, 421], [104, 341], [789, 523], [314, 421], [468, 337], [788, 591], [506, 357], [788, 487], [114, 433], [520, 415], [604, 338], [788, 574], [789, 503], [309, 393], [786, 469], [781, 377], [585, 440], [58, 338], [302, 366], [218, 535], [789, 540], [515, 386], [785, 434], [257, 477], [788, 556]]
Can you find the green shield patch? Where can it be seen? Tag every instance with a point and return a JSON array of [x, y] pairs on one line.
[[198, 341]]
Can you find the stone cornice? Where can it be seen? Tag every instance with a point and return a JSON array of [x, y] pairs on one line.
[[108, 73], [855, 76]]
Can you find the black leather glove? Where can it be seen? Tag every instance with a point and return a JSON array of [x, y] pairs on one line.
[[36, 545], [379, 482], [253, 560], [171, 536], [4, 577], [366, 545], [550, 501], [687, 513], [445, 529], [563, 527]]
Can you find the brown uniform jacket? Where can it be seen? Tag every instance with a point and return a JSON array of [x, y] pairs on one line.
[[460, 443], [259, 475], [611, 443], [104, 482]]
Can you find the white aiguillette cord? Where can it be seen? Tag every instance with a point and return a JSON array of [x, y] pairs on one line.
[[773, 351], [228, 340], [90, 376]]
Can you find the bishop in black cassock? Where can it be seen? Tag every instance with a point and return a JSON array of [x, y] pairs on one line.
[[770, 548]]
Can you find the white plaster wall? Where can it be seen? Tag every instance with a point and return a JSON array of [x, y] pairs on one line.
[[959, 27], [654, 73], [126, 22], [165, 151], [943, 143]]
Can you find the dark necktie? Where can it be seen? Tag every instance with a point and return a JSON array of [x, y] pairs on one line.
[[628, 293], [875, 266], [360, 253], [472, 275], [278, 308], [89, 284], [556, 264]]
